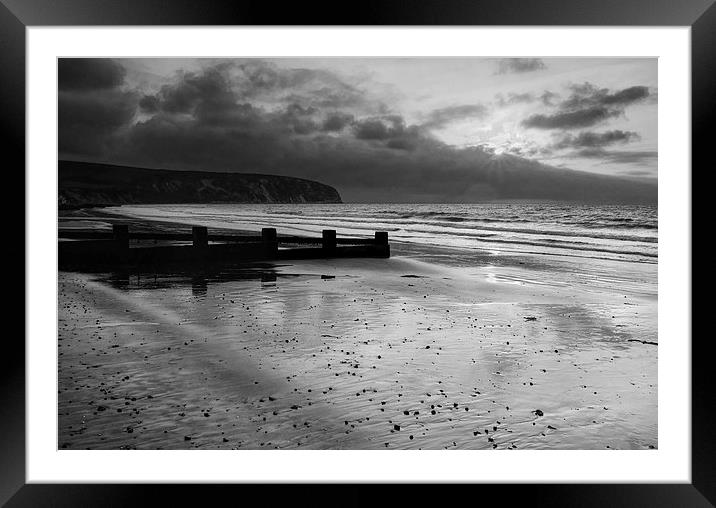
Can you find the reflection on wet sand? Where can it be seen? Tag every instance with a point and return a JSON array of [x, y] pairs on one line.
[[349, 355]]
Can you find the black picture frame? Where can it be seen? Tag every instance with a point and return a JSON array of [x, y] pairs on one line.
[[16, 15]]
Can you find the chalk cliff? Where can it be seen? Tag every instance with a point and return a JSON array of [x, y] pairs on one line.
[[87, 184]]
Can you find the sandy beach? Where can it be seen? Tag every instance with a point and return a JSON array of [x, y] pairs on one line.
[[399, 353]]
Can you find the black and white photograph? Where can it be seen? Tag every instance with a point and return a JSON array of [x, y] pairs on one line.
[[357, 253]]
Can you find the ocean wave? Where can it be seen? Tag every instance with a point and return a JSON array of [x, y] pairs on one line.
[[622, 231]]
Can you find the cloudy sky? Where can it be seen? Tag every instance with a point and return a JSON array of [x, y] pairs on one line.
[[371, 127]]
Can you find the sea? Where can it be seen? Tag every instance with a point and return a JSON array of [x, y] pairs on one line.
[[612, 232], [596, 247]]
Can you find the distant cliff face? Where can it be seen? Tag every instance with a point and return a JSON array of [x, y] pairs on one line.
[[82, 183]]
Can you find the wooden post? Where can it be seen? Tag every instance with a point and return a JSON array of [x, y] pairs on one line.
[[270, 241], [200, 236], [381, 237], [381, 244], [120, 235], [328, 242], [268, 234], [200, 241]]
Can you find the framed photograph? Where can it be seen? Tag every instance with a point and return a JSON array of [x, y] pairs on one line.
[[444, 243]]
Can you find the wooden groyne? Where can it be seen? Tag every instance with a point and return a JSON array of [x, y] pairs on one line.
[[156, 250]]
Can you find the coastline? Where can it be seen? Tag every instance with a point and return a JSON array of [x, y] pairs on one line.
[[358, 354]]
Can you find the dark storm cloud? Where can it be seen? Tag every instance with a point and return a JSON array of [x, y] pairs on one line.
[[210, 100], [590, 139], [441, 117], [404, 142], [175, 142], [392, 130], [210, 89], [259, 77], [256, 117], [547, 97], [307, 87], [571, 119], [617, 156], [518, 65], [627, 96], [92, 106], [300, 119], [87, 123], [106, 111], [588, 95], [591, 145], [376, 129], [257, 80], [89, 74], [205, 120], [587, 106], [149, 104], [337, 121], [639, 173]]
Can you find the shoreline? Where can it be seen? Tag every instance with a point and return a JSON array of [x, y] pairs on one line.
[[401, 248]]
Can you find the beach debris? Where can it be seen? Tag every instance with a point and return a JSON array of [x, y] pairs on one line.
[[530, 318], [538, 412], [644, 342], [328, 277]]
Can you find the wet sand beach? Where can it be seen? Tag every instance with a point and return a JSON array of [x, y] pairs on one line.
[[401, 353]]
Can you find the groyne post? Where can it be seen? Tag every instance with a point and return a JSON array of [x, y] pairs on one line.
[[328, 241], [381, 237], [200, 236], [120, 236], [200, 241], [381, 242], [270, 242]]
